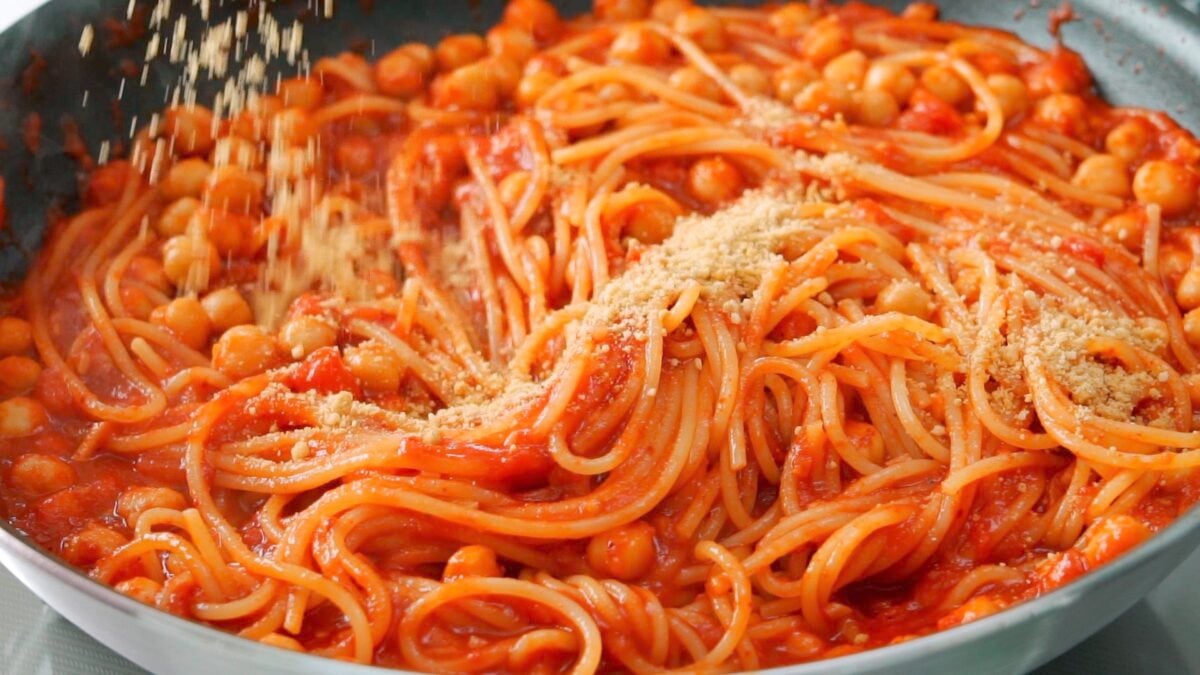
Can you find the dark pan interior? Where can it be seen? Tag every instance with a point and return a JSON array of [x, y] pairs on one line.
[[1139, 51]]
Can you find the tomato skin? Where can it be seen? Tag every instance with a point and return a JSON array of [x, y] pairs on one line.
[[929, 114], [107, 183], [53, 517], [520, 462], [324, 372], [306, 304]]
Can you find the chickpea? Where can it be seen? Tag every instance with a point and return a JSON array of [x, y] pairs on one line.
[[905, 297], [244, 351], [16, 335], [1065, 113], [826, 39], [893, 78], [666, 10], [252, 124], [180, 579], [866, 437], [190, 129], [186, 318], [18, 374], [148, 271], [1191, 327], [181, 252], [137, 302], [792, 20], [91, 544], [713, 180], [650, 222], [920, 11], [376, 366], [1050, 77], [185, 179], [803, 646], [107, 183], [141, 589], [791, 79], [635, 44], [135, 501], [234, 189], [505, 73], [472, 561], [289, 163], [21, 416], [1167, 184], [265, 106], [824, 99], [237, 152], [1125, 227], [292, 126], [399, 74], [470, 87], [625, 553], [444, 153], [875, 108], [847, 70], [305, 93], [944, 83], [1129, 139], [546, 63], [621, 10], [232, 234], [1011, 92], [1174, 261], [1105, 174], [304, 335], [456, 51], [703, 27], [694, 82], [227, 308], [174, 219], [36, 474], [533, 85], [511, 43], [1187, 293], [750, 79], [539, 17], [356, 155], [423, 55]]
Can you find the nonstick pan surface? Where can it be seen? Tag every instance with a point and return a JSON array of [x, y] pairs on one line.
[[1142, 53]]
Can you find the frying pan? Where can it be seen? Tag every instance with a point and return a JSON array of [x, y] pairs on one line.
[[1141, 53]]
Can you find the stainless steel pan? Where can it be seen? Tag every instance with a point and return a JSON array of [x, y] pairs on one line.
[[1142, 53]]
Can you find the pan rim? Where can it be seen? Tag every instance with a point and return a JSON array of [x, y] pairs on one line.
[[17, 543], [13, 541]]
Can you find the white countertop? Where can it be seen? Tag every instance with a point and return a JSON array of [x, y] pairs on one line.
[[11, 10]]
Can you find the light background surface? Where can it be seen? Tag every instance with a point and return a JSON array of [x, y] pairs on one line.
[[1158, 635]]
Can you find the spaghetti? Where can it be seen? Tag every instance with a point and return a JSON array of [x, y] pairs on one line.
[[659, 338]]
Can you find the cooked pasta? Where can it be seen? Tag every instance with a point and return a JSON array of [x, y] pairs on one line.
[[664, 337]]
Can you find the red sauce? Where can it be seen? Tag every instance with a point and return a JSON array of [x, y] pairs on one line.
[[519, 467]]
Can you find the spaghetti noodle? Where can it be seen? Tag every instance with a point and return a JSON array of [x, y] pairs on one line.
[[659, 338]]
